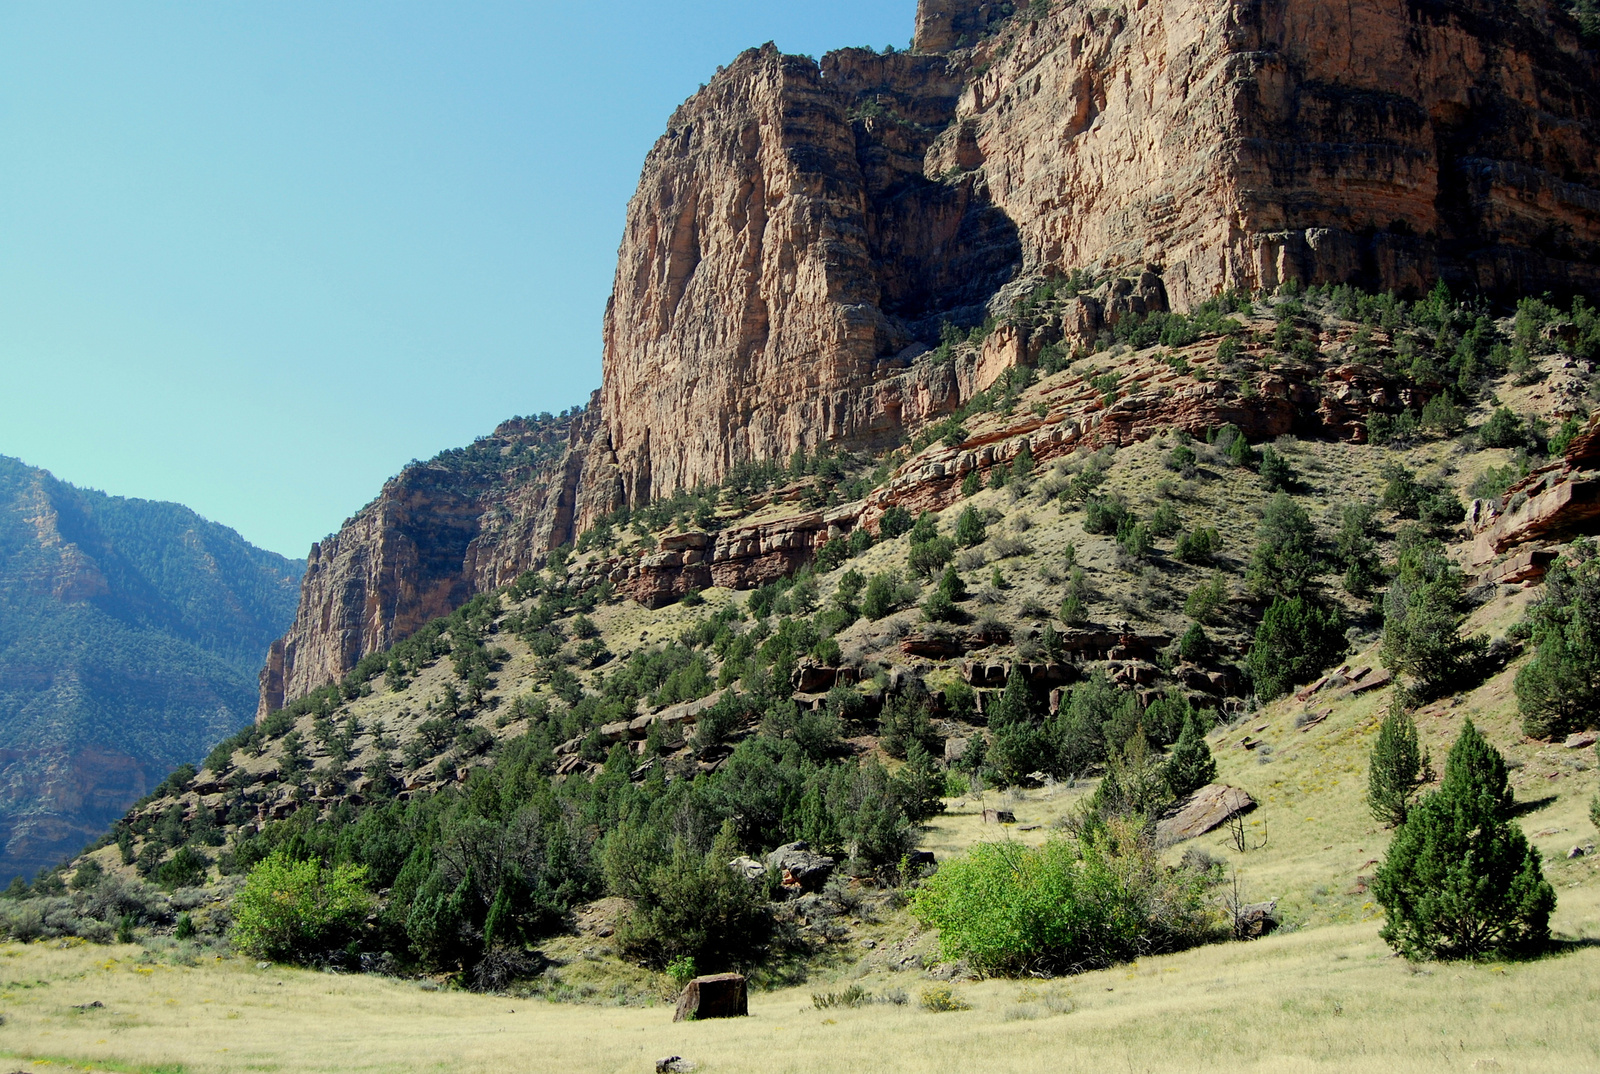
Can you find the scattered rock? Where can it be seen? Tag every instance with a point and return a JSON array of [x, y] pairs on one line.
[[1580, 851], [1582, 740], [1207, 808], [747, 867], [999, 816], [263, 965], [1255, 920], [673, 1064], [94, 1006], [717, 995], [802, 868]]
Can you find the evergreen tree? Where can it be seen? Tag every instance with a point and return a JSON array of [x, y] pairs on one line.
[[1285, 557], [970, 528], [1559, 689], [1296, 639], [1423, 610], [1460, 880], [1191, 765], [1397, 768]]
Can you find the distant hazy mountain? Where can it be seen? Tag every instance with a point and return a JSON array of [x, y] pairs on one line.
[[131, 632]]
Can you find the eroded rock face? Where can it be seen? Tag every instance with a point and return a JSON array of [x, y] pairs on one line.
[[802, 226], [437, 534], [1555, 502], [1246, 143], [782, 251]]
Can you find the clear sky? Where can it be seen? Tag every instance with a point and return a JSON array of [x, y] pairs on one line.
[[254, 257]]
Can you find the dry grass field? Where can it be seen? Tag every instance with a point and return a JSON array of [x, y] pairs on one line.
[[1329, 999]]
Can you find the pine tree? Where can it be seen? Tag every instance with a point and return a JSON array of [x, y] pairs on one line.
[[1398, 767], [1460, 880], [1191, 765], [970, 528]]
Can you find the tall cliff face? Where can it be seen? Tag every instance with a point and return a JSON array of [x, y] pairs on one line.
[[1245, 143], [783, 248], [465, 521], [802, 231], [801, 225]]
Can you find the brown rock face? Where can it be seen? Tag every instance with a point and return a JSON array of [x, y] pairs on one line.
[[1246, 143], [440, 532], [782, 249], [800, 226]]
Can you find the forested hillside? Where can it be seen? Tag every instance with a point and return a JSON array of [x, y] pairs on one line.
[[130, 635]]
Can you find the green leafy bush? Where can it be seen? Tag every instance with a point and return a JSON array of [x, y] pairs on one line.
[[290, 909], [1285, 556], [970, 528], [1072, 904]]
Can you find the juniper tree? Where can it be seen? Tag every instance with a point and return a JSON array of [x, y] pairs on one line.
[[1460, 880], [1190, 765], [1397, 768]]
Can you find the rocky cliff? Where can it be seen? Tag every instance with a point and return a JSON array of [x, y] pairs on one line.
[[467, 520], [803, 231]]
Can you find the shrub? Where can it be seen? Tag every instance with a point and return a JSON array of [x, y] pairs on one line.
[[687, 906], [1422, 614], [895, 521], [1074, 903], [1181, 459], [1503, 430], [186, 868], [885, 591], [1190, 765], [1198, 546], [1284, 559], [928, 557], [1442, 416], [291, 909], [1194, 646], [1296, 639], [937, 607], [1559, 689], [1397, 768], [1276, 473], [942, 998], [1460, 880], [1204, 599], [1103, 515], [970, 529]]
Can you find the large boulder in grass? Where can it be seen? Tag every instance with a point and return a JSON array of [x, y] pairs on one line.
[[1206, 809], [716, 995]]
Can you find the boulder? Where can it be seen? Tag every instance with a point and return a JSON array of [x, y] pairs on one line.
[[717, 995], [802, 867], [1581, 739], [1206, 809], [999, 816], [747, 867], [1255, 920]]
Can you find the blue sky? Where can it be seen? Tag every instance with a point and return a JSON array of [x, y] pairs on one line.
[[256, 257]]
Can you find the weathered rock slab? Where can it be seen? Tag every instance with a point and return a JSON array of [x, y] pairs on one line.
[[717, 995], [1206, 809]]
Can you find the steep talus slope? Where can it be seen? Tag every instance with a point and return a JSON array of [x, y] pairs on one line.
[[129, 634], [804, 231]]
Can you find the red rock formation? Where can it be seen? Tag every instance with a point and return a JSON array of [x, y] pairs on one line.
[[1554, 502]]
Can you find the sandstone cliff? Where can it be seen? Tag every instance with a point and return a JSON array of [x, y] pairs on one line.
[[442, 530], [803, 230]]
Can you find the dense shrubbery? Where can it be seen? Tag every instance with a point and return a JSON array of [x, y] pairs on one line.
[[1296, 639], [1075, 903], [1423, 610]]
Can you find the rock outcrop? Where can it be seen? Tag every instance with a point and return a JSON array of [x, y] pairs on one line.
[[438, 533], [803, 231], [1555, 502]]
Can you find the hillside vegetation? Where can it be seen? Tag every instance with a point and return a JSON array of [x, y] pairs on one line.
[[555, 793], [130, 636]]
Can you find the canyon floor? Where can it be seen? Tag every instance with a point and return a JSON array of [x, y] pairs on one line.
[[1321, 999]]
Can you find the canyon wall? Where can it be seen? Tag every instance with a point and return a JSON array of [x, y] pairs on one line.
[[802, 231]]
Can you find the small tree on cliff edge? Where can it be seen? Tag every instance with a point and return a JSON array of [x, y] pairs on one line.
[[1460, 880]]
